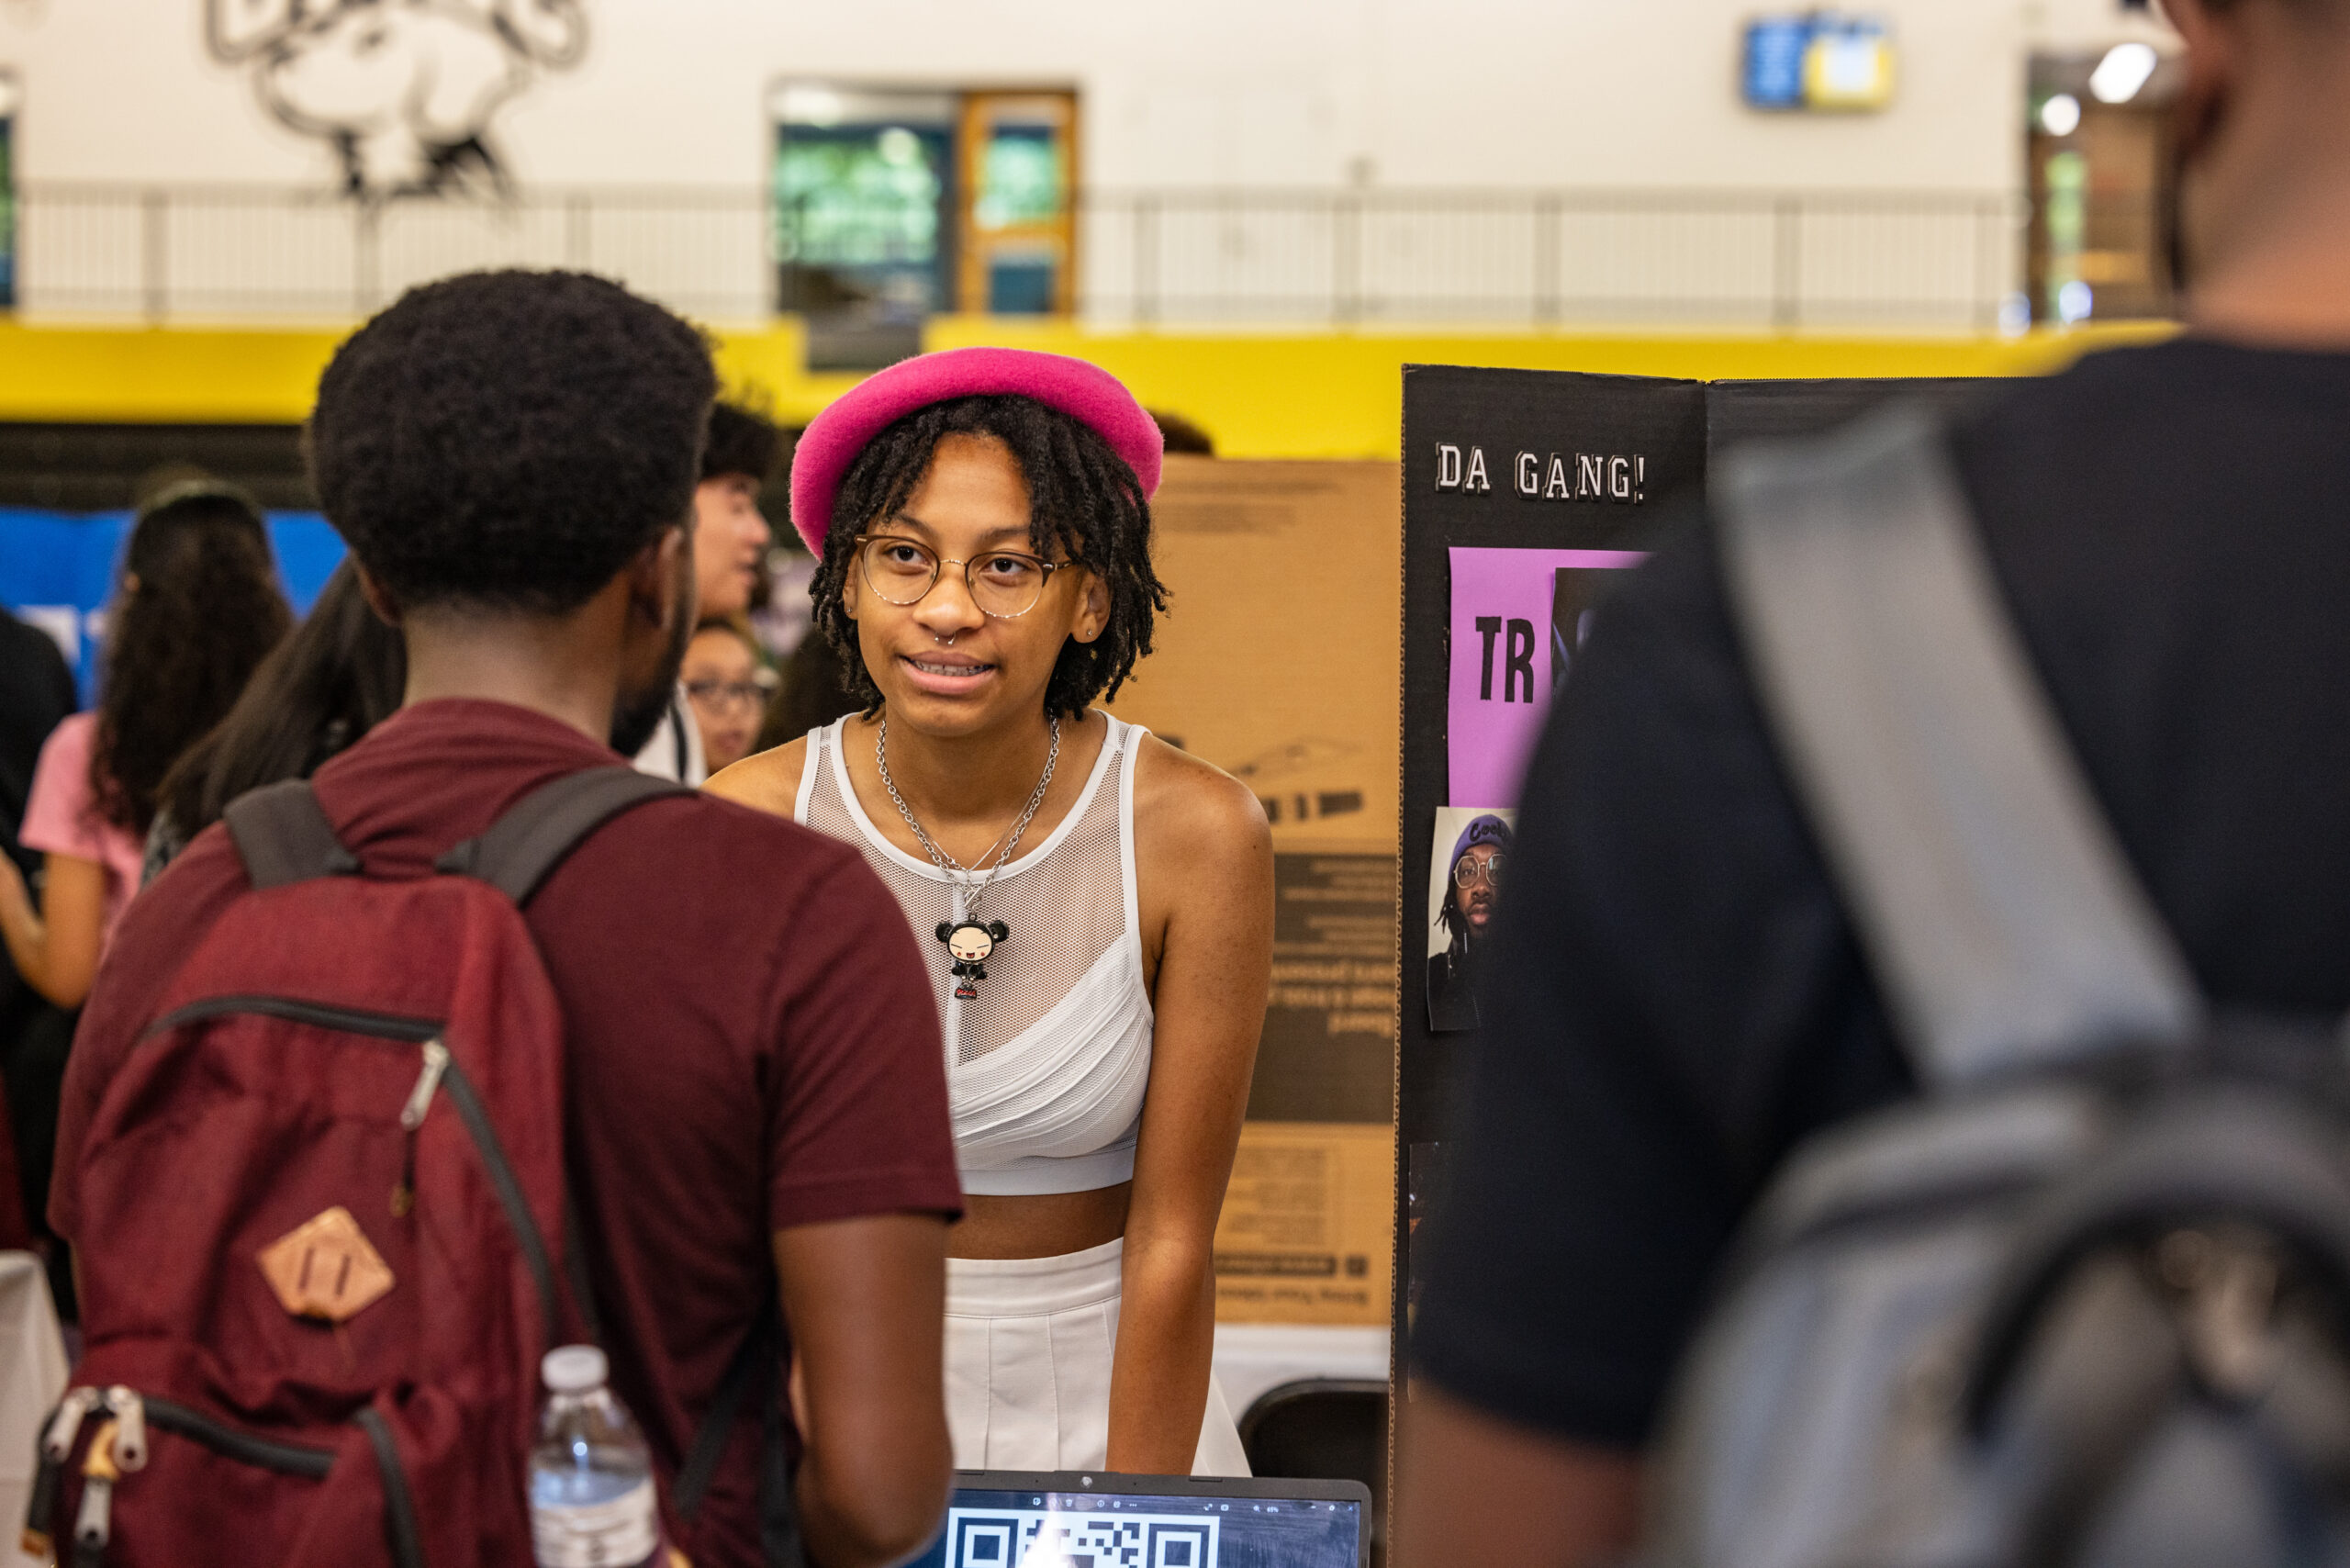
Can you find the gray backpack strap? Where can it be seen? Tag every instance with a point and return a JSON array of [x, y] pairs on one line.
[[282, 836], [533, 839], [2005, 927]]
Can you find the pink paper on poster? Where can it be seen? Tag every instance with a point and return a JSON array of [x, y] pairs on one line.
[[1518, 617]]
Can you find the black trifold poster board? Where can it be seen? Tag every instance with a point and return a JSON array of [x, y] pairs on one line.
[[1572, 473]]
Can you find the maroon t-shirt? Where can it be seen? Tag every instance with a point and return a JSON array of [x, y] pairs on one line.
[[752, 1042]]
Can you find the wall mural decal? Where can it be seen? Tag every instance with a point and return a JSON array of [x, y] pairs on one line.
[[403, 91]]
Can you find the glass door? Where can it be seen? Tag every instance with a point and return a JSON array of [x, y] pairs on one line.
[[1018, 232], [2100, 186]]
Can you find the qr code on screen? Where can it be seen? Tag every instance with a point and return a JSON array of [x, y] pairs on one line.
[[1000, 1538]]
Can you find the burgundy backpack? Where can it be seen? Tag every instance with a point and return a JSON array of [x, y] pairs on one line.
[[325, 1208]]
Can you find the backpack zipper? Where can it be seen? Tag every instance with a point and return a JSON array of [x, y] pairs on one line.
[[399, 1503], [470, 1110], [419, 1102], [304, 1460], [94, 1522], [120, 1448], [130, 1428], [56, 1447], [350, 1020], [446, 1078]]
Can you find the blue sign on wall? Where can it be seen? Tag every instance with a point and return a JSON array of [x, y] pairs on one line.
[[57, 571], [1819, 60], [1774, 53]]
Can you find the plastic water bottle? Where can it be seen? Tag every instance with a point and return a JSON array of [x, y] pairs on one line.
[[592, 1475]]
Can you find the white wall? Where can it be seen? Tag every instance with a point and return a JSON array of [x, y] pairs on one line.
[[1422, 93]]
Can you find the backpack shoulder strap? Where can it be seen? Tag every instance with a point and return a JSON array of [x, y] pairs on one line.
[[749, 1375], [2001, 920], [282, 835], [531, 839]]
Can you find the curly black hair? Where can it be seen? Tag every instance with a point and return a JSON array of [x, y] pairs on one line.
[[1083, 502], [507, 440], [200, 609], [743, 440]]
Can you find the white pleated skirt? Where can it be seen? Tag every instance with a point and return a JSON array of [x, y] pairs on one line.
[[1028, 1349]]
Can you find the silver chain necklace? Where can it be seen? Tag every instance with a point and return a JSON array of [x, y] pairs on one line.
[[970, 940]]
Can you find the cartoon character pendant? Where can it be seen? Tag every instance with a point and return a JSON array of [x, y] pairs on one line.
[[970, 942]]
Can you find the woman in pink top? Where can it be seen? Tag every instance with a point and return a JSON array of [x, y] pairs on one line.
[[196, 609]]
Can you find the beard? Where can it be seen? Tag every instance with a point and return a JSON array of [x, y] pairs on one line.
[[635, 718], [637, 712]]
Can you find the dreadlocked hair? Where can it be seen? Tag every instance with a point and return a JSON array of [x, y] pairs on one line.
[[200, 608], [1083, 501]]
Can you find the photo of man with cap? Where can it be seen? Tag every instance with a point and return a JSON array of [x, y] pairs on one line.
[[1472, 876]]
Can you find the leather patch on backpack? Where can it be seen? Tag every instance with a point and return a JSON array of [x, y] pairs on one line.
[[326, 1268]]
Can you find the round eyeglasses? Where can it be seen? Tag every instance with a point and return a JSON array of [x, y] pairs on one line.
[[1003, 583], [1469, 870]]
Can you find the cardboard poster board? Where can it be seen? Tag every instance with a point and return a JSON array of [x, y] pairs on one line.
[[1518, 486], [1305, 1237], [1524, 493], [1278, 661]]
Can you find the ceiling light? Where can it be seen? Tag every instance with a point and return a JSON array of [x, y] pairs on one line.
[[2123, 72], [2061, 116]]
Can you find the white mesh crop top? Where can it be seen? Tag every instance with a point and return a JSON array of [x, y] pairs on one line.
[[1046, 1071]]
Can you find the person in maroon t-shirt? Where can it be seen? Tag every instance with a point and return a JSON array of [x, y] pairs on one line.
[[756, 1100]]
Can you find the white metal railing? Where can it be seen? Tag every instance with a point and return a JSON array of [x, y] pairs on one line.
[[1552, 257], [1335, 257]]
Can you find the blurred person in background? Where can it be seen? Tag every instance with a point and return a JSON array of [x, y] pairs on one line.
[[727, 687], [1096, 906], [1181, 436], [731, 539], [814, 691], [36, 695], [338, 677], [1680, 995], [196, 610]]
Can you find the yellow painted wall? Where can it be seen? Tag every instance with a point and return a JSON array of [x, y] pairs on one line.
[[1259, 394]]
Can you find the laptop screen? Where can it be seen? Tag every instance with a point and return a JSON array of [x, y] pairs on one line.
[[1060, 1529]]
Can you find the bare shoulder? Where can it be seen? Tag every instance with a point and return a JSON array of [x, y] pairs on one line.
[[1194, 812], [769, 780]]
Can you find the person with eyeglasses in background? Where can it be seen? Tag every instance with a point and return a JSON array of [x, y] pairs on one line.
[[1468, 916], [731, 536], [727, 687]]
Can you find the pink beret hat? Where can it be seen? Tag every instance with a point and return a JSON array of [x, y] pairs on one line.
[[1084, 392]]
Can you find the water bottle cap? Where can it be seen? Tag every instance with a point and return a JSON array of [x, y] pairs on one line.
[[573, 1369]]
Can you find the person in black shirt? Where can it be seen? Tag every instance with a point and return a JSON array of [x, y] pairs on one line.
[[1679, 999], [36, 691]]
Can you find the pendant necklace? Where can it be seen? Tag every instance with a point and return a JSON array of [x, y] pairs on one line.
[[970, 940]]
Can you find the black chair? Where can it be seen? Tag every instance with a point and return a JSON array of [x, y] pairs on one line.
[[1320, 1428]]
